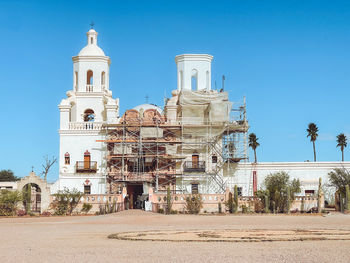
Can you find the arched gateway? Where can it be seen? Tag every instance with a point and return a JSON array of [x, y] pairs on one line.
[[38, 190]]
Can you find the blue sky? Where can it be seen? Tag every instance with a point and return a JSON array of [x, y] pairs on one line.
[[291, 59]]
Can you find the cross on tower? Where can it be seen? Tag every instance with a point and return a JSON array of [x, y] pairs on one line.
[[146, 98], [92, 24], [32, 168]]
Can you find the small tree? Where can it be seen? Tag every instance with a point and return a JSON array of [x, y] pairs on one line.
[[276, 185], [193, 204], [339, 178], [9, 201], [66, 200], [7, 176], [47, 166]]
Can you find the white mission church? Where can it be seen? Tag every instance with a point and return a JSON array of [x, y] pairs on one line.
[[84, 155]]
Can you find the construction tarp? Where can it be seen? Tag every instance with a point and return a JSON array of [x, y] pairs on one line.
[[151, 132], [204, 106]]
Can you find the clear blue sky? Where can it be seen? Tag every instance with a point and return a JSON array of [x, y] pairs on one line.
[[291, 59]]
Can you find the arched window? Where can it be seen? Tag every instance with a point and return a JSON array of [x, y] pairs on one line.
[[89, 115], [89, 81], [103, 78], [194, 80], [66, 158], [89, 77]]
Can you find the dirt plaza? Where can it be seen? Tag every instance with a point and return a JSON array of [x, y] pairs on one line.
[[198, 238]]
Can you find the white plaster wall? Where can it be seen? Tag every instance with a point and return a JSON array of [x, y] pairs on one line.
[[97, 65], [187, 63], [98, 184], [307, 172], [91, 102], [76, 145]]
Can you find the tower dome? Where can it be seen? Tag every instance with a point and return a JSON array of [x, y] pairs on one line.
[[91, 49]]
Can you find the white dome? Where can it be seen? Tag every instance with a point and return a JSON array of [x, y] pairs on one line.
[[148, 106], [91, 50]]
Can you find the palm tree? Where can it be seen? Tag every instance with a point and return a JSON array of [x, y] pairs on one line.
[[253, 143], [342, 143], [312, 133]]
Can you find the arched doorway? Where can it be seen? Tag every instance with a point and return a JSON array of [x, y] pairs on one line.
[[32, 198]]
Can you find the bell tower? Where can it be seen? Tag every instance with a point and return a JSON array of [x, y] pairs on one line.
[[82, 114]]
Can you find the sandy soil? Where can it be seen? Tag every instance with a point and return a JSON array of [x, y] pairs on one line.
[[84, 239]]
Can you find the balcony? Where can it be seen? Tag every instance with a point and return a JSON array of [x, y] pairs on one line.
[[89, 88], [86, 167], [85, 125], [194, 166]]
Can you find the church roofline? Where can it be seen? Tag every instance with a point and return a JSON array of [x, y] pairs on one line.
[[91, 58]]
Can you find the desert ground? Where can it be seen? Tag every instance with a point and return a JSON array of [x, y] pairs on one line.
[[85, 238]]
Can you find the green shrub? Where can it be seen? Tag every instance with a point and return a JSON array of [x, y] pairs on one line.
[[276, 185], [65, 201], [193, 204], [9, 201], [244, 209], [86, 208]]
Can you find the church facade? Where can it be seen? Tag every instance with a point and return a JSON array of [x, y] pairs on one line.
[[196, 144]]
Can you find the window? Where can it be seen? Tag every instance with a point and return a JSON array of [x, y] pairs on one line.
[[89, 115], [89, 77], [194, 80], [239, 191], [195, 160], [103, 78], [66, 158], [214, 159], [309, 192], [194, 188], [87, 189]]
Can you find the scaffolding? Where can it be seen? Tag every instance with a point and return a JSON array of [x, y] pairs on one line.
[[145, 147]]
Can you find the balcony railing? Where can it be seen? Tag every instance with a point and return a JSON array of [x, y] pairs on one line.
[[89, 88], [194, 166], [85, 125], [86, 167]]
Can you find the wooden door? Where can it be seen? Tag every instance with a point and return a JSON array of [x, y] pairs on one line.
[[86, 161], [195, 161]]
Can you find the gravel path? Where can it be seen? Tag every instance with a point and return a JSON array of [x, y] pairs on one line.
[[84, 239]]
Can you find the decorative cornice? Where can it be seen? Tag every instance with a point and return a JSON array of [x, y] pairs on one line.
[[193, 57], [91, 58], [293, 165]]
